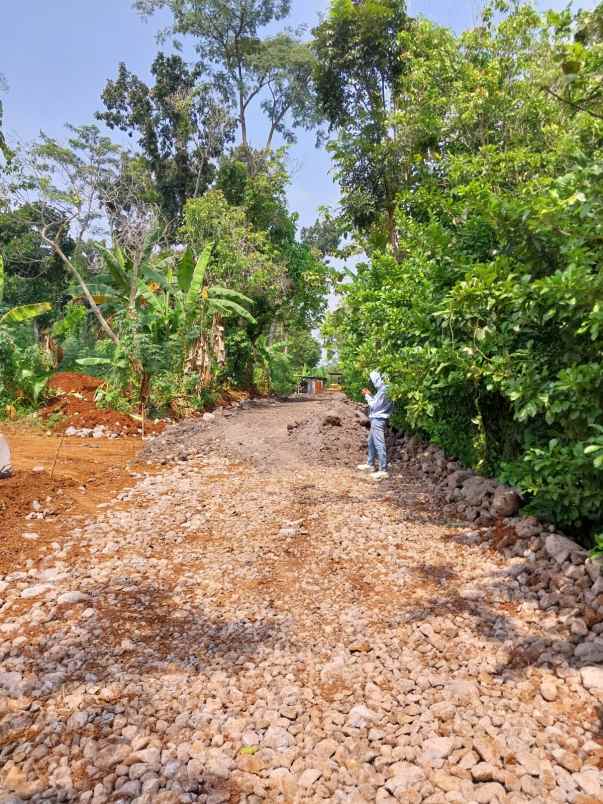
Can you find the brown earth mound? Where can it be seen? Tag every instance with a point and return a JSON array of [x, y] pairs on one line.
[[69, 382], [75, 401], [327, 437]]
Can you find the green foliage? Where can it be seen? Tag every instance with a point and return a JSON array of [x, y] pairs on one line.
[[360, 59], [181, 126], [597, 550], [23, 371], [274, 369], [33, 272], [245, 66], [487, 314]]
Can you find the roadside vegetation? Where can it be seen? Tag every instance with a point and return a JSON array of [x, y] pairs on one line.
[[172, 269], [472, 182]]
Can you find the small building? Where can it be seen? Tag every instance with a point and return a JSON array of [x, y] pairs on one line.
[[311, 385]]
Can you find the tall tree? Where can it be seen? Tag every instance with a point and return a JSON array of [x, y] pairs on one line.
[[273, 71], [71, 183], [359, 63], [181, 125], [33, 271]]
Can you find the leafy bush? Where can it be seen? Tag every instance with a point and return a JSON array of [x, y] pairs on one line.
[[490, 322]]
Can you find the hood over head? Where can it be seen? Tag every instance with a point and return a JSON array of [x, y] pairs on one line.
[[376, 379]]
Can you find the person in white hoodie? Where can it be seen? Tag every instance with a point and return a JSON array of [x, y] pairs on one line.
[[380, 409]]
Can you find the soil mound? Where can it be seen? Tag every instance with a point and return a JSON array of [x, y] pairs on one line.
[[69, 382], [74, 400]]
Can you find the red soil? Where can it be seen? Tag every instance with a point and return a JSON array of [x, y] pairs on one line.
[[75, 401]]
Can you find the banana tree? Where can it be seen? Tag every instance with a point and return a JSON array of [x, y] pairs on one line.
[[22, 380], [195, 312]]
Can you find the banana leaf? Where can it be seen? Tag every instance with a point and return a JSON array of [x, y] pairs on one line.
[[116, 266], [198, 278], [94, 361], [25, 312], [185, 268], [227, 307], [226, 293]]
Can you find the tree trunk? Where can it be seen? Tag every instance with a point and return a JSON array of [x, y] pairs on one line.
[[500, 429], [392, 233], [89, 298]]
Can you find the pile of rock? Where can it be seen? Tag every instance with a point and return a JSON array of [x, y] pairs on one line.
[[555, 573], [100, 431]]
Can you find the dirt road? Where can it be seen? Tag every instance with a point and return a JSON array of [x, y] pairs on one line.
[[257, 622]]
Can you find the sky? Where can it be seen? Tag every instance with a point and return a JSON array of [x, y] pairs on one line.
[[57, 56]]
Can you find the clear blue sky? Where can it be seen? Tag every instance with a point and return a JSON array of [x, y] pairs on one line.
[[56, 57]]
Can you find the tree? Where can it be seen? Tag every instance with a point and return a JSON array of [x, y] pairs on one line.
[[303, 350], [359, 63], [258, 186], [489, 323], [71, 183], [33, 269], [274, 71], [181, 127]]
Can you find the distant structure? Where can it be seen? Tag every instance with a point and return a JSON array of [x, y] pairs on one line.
[[311, 385]]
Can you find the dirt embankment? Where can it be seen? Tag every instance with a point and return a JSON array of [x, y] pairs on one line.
[[73, 402]]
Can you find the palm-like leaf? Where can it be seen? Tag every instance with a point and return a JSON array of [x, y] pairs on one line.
[[25, 312], [184, 271], [226, 293], [227, 307], [116, 265], [198, 278]]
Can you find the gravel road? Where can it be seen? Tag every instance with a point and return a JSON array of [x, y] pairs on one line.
[[258, 623]]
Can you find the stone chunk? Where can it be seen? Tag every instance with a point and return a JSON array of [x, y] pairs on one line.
[[309, 777], [548, 690], [590, 651], [332, 419], [592, 678], [528, 526], [488, 749], [506, 501], [559, 547], [491, 792], [483, 772], [462, 692], [476, 488], [589, 781], [68, 598], [277, 738], [112, 755], [35, 591], [437, 748], [405, 776], [325, 748], [360, 716]]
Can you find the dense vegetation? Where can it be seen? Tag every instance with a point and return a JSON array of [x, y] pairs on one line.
[[471, 177], [173, 268], [482, 295]]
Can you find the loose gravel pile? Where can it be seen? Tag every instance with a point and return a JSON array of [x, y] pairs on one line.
[[258, 623]]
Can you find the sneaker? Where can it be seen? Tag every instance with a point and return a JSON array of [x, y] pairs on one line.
[[365, 467], [380, 475]]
